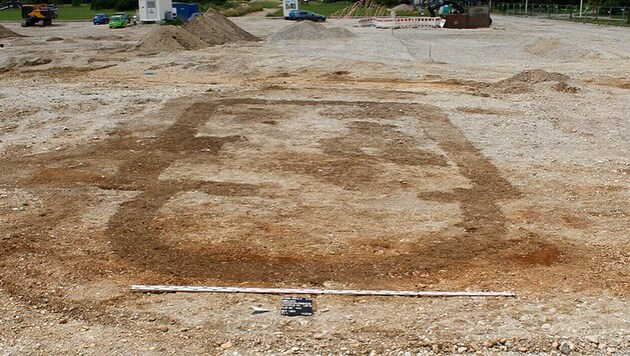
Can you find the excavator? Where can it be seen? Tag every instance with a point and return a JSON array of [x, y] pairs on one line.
[[462, 17], [33, 14]]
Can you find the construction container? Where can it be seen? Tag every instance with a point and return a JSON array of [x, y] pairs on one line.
[[183, 10], [153, 10]]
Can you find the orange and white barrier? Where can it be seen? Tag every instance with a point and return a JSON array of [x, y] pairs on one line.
[[401, 22]]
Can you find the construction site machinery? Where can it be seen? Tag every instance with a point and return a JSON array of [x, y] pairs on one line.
[[33, 14], [457, 16]]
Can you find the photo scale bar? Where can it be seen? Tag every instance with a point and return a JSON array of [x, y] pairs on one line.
[[189, 289]]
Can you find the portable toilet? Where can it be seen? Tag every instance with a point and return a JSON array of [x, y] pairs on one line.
[[153, 10], [287, 6], [183, 10]]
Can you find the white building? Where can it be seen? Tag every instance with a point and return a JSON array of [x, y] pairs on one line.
[[154, 10]]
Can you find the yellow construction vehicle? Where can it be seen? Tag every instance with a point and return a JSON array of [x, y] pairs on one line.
[[33, 14]]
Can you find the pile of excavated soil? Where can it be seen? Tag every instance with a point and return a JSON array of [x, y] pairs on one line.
[[169, 39], [5, 32], [402, 7], [542, 46], [216, 29], [526, 81], [307, 30], [537, 76], [9, 63]]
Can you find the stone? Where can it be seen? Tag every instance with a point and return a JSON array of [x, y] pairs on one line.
[[565, 348], [320, 336], [554, 345], [592, 339], [163, 328], [226, 345], [462, 349]]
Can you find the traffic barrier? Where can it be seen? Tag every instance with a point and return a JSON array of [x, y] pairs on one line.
[[401, 22]]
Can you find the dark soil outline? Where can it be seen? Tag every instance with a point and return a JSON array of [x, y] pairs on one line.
[[139, 247]]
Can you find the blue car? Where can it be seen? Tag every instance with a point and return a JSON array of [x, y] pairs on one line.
[[100, 19]]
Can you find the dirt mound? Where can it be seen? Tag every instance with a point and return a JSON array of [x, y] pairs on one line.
[[537, 76], [169, 39], [402, 7], [542, 46], [5, 32], [12, 62], [216, 29], [307, 30], [526, 81]]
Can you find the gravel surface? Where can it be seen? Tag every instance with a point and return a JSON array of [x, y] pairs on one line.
[[430, 159]]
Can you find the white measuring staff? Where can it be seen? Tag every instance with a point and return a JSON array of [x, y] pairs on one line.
[[162, 288]]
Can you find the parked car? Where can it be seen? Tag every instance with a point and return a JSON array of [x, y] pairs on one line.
[[299, 15], [124, 15], [118, 21], [100, 19]]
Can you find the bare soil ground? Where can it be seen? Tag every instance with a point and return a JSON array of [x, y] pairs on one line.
[[500, 162]]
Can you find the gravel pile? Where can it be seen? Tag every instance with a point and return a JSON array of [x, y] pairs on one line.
[[5, 32], [307, 30], [216, 29], [403, 7], [526, 81], [169, 39]]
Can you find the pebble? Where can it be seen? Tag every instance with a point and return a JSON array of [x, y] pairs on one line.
[[163, 328], [226, 345], [320, 336], [462, 349], [614, 342], [592, 339], [566, 347]]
